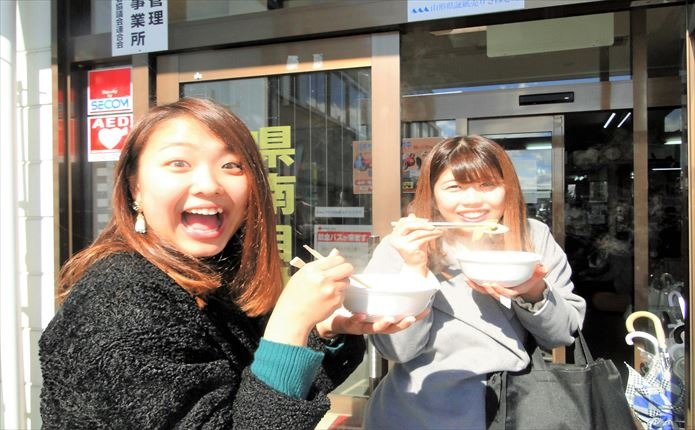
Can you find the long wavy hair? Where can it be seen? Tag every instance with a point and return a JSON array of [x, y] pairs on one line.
[[471, 159], [257, 281]]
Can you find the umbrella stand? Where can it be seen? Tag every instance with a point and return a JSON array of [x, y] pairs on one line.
[[654, 395]]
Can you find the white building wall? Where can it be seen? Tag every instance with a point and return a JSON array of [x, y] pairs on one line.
[[35, 214]]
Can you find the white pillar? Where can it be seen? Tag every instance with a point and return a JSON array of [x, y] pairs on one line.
[[13, 400]]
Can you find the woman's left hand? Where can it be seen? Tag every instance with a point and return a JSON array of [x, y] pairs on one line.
[[531, 290], [342, 322]]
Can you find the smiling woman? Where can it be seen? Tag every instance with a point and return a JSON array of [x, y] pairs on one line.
[[176, 315], [488, 304], [191, 187]]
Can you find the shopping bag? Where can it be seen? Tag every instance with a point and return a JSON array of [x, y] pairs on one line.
[[587, 394]]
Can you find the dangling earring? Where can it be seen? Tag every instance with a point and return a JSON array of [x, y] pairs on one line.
[[140, 226]]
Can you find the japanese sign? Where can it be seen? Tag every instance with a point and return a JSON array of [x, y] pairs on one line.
[[107, 135], [138, 26], [275, 144], [351, 240], [421, 10], [109, 91], [339, 211]]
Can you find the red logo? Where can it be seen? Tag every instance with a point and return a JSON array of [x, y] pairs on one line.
[[107, 136]]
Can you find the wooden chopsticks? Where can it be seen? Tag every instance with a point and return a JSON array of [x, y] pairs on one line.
[[485, 227], [318, 255]]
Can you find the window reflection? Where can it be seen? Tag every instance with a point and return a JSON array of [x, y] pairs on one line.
[[430, 55], [313, 169], [667, 211], [418, 137], [599, 225]]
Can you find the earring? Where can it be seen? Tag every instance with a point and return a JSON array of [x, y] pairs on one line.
[[140, 226]]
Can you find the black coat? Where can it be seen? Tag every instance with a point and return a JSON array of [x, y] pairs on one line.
[[129, 349]]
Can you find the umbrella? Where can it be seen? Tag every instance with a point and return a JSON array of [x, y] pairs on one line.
[[654, 395]]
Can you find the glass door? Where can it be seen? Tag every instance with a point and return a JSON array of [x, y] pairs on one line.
[[536, 147], [315, 136], [309, 106]]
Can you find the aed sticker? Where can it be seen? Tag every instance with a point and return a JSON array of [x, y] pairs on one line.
[[107, 134]]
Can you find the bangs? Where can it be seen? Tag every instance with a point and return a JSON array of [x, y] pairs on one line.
[[468, 165]]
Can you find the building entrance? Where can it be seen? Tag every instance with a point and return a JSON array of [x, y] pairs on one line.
[[310, 107]]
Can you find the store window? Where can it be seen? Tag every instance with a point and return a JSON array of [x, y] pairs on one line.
[[417, 139], [314, 131], [456, 76], [319, 161], [480, 57], [599, 211], [668, 242], [667, 140]]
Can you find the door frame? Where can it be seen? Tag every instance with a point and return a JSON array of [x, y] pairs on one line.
[[381, 53]]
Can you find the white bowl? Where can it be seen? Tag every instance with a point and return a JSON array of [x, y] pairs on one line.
[[506, 268], [390, 294]]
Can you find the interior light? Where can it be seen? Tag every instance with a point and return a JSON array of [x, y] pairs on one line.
[[627, 115], [673, 141], [538, 146], [666, 168], [608, 121], [523, 135]]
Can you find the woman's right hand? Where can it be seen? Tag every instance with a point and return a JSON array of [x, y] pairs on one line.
[[311, 295], [410, 237]]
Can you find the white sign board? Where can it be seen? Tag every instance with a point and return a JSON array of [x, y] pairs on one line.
[[423, 10], [339, 212], [351, 240], [106, 136], [138, 26]]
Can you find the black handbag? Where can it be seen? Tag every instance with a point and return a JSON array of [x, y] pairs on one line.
[[588, 394]]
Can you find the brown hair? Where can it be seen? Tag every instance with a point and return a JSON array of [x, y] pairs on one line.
[[471, 159], [257, 283]]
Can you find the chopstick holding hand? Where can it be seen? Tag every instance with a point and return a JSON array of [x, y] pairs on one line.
[[410, 238], [310, 296]]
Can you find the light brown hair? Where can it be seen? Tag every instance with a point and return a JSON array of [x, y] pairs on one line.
[[257, 283], [471, 159]]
